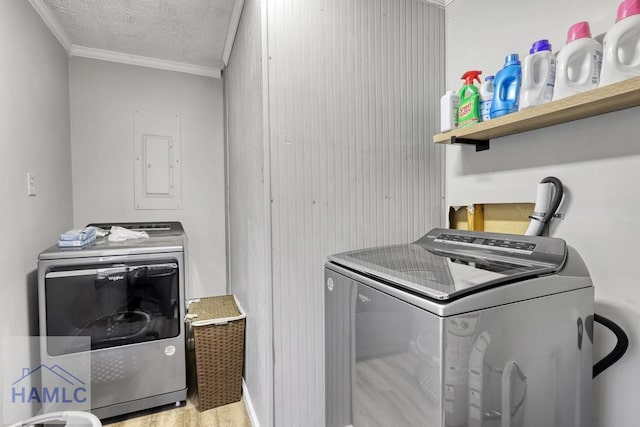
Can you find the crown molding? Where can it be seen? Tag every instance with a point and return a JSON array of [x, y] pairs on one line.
[[76, 50], [231, 32], [52, 23], [144, 61], [443, 3]]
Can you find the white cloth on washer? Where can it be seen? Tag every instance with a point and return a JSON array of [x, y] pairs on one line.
[[120, 234]]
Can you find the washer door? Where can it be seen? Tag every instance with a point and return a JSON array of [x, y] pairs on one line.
[[115, 305]]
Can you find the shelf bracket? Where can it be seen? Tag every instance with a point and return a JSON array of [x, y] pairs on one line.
[[481, 144]]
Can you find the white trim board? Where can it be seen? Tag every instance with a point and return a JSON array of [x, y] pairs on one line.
[[231, 32], [443, 3], [144, 61], [246, 399], [52, 23]]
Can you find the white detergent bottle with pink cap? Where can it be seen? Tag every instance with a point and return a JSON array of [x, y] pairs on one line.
[[578, 64], [621, 45]]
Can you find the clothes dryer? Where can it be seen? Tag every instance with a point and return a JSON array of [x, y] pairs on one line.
[[120, 307]]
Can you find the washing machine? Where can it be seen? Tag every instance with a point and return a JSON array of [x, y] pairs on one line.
[[459, 329]]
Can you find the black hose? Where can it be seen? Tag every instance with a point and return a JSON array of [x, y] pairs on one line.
[[618, 351], [623, 341], [557, 198]]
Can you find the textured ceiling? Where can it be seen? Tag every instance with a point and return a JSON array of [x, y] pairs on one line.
[[185, 31]]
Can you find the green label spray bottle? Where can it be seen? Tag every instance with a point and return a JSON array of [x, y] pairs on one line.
[[469, 111]]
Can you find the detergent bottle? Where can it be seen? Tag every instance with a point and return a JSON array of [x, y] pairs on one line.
[[578, 63], [507, 87], [486, 98], [538, 75], [469, 112], [449, 104], [621, 45]]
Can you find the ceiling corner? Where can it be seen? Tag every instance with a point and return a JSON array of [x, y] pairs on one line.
[[52, 23], [443, 3], [233, 28]]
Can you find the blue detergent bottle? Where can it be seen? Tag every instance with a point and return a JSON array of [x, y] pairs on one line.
[[507, 83]]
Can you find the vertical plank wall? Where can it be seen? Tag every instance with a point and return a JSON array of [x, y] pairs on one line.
[[354, 89], [249, 225]]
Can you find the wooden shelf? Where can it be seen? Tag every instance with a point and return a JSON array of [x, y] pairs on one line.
[[617, 96]]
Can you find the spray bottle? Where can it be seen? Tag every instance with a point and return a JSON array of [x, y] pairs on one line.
[[469, 112]]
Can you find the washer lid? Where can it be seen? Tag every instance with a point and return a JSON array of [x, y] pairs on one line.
[[445, 264]]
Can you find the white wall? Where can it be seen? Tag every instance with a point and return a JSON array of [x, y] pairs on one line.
[[34, 128], [353, 102], [598, 160], [249, 206], [103, 98]]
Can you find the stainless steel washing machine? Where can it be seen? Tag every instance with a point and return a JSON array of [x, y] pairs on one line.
[[127, 298], [459, 329]]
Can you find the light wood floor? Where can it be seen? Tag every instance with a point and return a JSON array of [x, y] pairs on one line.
[[233, 415], [396, 391]]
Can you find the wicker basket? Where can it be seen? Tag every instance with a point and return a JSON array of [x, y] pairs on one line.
[[218, 328]]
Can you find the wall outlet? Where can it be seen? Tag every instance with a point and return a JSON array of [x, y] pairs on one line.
[[31, 184]]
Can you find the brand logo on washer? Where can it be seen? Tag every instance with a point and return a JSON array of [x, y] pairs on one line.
[[170, 350], [330, 284]]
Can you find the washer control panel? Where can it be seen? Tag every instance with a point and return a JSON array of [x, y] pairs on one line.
[[511, 245]]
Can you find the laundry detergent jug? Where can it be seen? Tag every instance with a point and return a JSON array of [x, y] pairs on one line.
[[538, 75], [486, 98], [621, 45], [507, 87], [449, 104], [578, 64]]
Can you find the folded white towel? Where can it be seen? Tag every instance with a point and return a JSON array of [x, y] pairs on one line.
[[120, 234]]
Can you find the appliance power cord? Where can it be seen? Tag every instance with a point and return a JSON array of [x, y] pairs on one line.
[[618, 351]]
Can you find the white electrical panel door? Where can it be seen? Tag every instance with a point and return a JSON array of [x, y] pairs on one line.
[[157, 165]]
